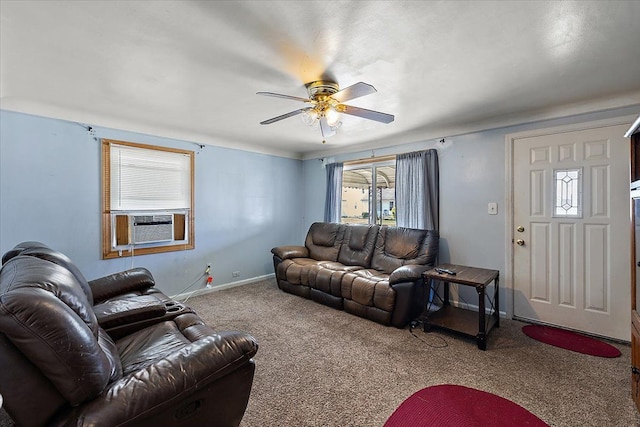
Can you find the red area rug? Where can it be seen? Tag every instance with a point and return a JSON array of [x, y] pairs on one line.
[[570, 341], [457, 406]]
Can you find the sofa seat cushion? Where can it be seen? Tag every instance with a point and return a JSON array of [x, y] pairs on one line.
[[367, 293], [296, 270], [326, 276], [336, 266], [369, 288], [147, 346]]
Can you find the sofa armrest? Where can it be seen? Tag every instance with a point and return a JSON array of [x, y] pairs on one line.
[[286, 252], [124, 311], [136, 279], [169, 381], [408, 273]]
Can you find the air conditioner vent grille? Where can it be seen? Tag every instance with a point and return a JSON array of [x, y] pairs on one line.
[[152, 228]]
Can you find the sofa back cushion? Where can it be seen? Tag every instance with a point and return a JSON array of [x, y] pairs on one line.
[[324, 240], [358, 244], [46, 315], [398, 246]]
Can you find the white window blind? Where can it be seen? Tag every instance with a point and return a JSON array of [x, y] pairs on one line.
[[147, 179]]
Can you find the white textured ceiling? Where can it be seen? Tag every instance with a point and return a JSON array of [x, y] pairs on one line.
[[191, 69]]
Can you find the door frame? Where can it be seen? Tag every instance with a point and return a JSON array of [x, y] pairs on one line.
[[510, 139]]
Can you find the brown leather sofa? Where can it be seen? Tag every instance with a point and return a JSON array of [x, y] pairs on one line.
[[59, 367], [371, 271]]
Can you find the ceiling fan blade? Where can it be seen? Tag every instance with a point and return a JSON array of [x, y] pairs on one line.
[[354, 91], [366, 114], [279, 95], [326, 130], [285, 116]]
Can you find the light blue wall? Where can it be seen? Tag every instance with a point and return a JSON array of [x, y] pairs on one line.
[[246, 203], [472, 174]]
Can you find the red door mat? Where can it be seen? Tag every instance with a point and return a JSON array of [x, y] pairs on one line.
[[457, 406], [570, 341]]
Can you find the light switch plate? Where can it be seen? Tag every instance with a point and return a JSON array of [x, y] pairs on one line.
[[492, 208]]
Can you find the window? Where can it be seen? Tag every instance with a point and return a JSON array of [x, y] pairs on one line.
[[362, 201], [147, 198], [567, 193]]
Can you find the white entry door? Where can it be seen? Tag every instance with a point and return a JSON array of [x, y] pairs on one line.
[[571, 262]]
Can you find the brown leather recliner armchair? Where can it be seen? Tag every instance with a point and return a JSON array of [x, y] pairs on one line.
[[123, 302], [58, 366]]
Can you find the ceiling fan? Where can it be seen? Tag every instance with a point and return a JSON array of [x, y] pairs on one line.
[[326, 100]]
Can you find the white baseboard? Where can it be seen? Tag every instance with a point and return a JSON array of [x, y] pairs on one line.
[[185, 295], [473, 307]]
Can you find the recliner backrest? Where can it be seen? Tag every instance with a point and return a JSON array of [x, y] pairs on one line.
[[324, 240], [17, 249], [398, 246], [46, 315], [40, 250], [358, 244]]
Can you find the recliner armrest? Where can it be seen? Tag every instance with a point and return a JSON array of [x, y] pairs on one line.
[[408, 273], [286, 252], [169, 381], [136, 279], [128, 310]]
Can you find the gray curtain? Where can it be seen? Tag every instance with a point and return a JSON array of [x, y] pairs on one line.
[[417, 190], [333, 199]]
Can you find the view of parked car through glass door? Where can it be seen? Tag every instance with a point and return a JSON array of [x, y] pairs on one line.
[[366, 203]]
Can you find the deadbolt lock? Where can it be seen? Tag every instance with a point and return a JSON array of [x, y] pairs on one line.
[[520, 229]]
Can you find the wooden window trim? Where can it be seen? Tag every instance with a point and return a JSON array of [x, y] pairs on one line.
[[370, 160], [107, 251]]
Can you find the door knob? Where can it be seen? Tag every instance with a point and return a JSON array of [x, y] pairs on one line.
[[520, 229], [520, 242]]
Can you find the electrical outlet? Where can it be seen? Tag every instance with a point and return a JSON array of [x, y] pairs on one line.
[[235, 274], [492, 208]]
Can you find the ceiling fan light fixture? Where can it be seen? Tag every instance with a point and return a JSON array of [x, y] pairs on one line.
[[327, 107], [310, 117], [325, 110], [333, 117]]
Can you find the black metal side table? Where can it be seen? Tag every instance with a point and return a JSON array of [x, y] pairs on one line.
[[476, 324]]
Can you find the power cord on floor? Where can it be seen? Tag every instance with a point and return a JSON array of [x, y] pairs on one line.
[[415, 324]]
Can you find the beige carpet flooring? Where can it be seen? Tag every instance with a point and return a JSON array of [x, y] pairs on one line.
[[318, 366]]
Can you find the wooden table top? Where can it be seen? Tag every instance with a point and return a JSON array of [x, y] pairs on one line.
[[464, 275]]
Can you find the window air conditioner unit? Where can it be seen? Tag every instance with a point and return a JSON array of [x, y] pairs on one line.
[[152, 228]]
